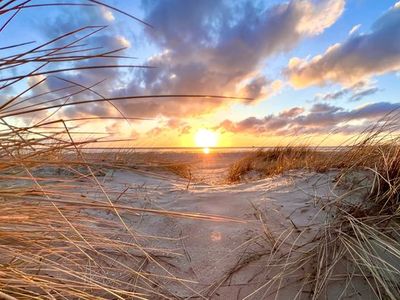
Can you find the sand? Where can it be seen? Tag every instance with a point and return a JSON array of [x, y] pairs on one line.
[[219, 259]]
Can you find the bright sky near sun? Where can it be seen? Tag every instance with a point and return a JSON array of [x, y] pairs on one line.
[[308, 68]]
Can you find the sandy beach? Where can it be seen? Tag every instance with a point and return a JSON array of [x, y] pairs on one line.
[[219, 240]]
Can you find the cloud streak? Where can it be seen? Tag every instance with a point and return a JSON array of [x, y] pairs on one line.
[[356, 92]]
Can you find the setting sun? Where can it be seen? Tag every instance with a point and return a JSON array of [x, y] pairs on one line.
[[205, 139]]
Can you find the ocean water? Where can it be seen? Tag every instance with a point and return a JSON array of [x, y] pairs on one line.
[[197, 150]]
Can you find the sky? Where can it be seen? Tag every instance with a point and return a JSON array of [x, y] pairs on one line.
[[300, 71]]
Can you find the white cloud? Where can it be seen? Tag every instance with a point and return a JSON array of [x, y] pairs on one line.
[[360, 57], [354, 29]]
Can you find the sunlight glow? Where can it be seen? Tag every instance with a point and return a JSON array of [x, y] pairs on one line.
[[216, 236], [205, 139]]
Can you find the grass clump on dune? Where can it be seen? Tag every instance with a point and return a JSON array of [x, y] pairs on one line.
[[278, 160], [356, 249], [366, 232]]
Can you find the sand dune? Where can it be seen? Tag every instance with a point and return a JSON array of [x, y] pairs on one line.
[[202, 237], [232, 253]]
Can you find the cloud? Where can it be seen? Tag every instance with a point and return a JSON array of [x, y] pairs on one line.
[[102, 80], [321, 118], [204, 47], [333, 95], [293, 112], [122, 130], [363, 93], [354, 29], [177, 124], [260, 87], [356, 92], [180, 126], [220, 48], [155, 131], [324, 108], [361, 56]]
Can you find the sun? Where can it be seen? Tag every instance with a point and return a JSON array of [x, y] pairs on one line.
[[205, 139]]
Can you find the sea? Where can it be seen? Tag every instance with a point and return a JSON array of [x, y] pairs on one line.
[[198, 149]]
